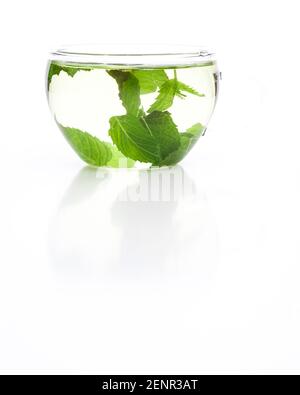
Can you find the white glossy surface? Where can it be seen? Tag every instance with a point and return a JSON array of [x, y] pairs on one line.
[[92, 282]]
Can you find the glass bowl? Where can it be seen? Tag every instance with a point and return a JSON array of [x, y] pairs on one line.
[[139, 106]]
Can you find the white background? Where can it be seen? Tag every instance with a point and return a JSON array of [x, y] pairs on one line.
[[208, 284]]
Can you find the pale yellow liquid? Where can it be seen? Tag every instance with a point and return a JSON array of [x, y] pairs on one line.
[[87, 100]]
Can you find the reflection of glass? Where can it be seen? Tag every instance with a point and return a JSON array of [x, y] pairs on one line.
[[131, 223], [83, 186], [145, 212]]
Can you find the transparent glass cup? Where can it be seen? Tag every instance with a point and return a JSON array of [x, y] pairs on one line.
[[132, 106]]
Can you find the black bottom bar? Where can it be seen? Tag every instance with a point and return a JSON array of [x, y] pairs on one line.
[[86, 384]]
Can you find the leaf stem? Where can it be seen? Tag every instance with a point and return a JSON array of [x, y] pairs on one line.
[[175, 74]]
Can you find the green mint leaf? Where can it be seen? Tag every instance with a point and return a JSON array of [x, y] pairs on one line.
[[133, 139], [55, 69], [165, 97], [165, 132], [141, 113], [129, 90], [183, 87], [118, 159], [130, 95], [195, 131], [119, 75], [167, 93], [175, 157], [150, 80], [89, 148], [187, 140]]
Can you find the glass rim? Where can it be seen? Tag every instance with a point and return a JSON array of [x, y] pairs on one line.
[[133, 55]]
